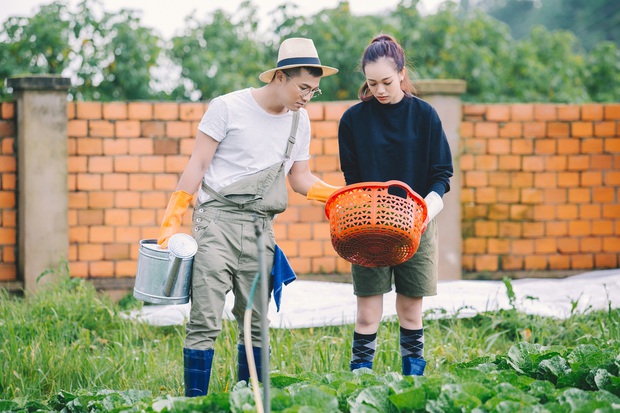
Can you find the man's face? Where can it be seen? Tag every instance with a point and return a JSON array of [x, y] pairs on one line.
[[300, 89]]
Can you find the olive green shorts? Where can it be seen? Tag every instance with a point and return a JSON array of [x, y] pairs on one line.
[[416, 277]]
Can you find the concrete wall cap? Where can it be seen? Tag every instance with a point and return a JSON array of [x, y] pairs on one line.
[[39, 82], [440, 86]]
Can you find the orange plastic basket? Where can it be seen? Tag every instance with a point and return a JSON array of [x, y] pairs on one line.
[[372, 227]]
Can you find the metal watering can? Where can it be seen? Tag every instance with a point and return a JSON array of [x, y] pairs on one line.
[[164, 276]]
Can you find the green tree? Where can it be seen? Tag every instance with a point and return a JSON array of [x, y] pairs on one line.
[[35, 45], [591, 21], [220, 54], [107, 58]]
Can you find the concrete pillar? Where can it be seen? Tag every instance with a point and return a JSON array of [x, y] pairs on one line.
[[42, 191], [444, 95]]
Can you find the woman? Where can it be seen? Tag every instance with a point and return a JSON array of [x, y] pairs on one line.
[[393, 135]]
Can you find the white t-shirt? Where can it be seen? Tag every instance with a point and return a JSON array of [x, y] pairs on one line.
[[250, 138]]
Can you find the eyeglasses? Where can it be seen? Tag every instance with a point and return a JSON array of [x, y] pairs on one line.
[[305, 91]]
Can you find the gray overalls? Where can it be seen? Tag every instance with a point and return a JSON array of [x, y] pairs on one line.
[[227, 257]]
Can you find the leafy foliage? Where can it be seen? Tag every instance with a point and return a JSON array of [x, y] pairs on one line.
[[113, 57]]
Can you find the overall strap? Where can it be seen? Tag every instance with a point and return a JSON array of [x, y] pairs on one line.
[[291, 139]]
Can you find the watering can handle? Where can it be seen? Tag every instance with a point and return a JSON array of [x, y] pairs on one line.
[[171, 276]]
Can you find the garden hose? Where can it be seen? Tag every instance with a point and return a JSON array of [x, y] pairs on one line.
[[247, 339]]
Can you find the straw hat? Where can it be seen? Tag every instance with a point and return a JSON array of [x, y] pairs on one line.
[[296, 52]]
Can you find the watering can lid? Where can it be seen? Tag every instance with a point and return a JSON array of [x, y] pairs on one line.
[[182, 245]]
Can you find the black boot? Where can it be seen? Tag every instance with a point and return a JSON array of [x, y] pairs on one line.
[[197, 371], [243, 371]]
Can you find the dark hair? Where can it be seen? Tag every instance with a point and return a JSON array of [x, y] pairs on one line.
[[296, 71], [385, 45]]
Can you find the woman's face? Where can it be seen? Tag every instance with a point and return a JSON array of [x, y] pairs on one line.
[[384, 81]]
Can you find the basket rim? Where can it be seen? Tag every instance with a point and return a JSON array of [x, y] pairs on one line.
[[376, 184]]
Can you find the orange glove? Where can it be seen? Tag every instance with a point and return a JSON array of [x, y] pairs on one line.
[[321, 191], [179, 201]]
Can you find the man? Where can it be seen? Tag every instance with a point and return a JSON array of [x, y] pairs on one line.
[[247, 142]]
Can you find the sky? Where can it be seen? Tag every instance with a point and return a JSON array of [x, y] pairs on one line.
[[168, 16]]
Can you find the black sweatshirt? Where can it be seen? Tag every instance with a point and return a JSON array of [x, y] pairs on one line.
[[404, 141]]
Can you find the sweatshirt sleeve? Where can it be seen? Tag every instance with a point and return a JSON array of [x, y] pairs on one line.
[[347, 150], [440, 158]]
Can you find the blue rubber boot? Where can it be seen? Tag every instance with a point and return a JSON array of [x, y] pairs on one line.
[[197, 372], [413, 366], [243, 368], [355, 366]]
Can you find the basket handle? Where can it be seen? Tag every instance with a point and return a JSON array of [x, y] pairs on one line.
[[386, 184]]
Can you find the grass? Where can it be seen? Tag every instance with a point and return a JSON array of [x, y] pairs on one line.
[[70, 337]]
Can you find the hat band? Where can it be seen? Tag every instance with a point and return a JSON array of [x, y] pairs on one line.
[[299, 61]]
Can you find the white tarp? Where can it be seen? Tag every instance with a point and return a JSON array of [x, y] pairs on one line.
[[314, 303]]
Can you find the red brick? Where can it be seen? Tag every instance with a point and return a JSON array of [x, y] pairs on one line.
[[178, 129], [569, 112], [590, 146], [77, 128], [522, 147], [191, 111], [315, 111], [582, 261], [100, 199], [569, 146], [115, 110], [592, 111], [604, 129], [556, 229], [467, 129], [568, 212], [326, 129], [115, 147], [89, 146], [578, 163], [534, 130], [127, 129], [559, 262], [141, 146], [511, 130], [522, 112], [487, 263], [558, 129], [498, 113], [545, 112], [140, 110], [605, 260], [578, 228], [612, 111], [486, 130], [475, 146], [101, 128], [612, 145], [593, 178], [522, 179], [99, 164], [334, 110], [77, 164], [88, 110], [166, 111], [499, 146], [116, 217], [582, 129], [509, 163]]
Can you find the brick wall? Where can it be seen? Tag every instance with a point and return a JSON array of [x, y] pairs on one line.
[[8, 185], [540, 186]]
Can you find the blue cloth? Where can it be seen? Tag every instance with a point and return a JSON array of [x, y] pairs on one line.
[[282, 274]]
